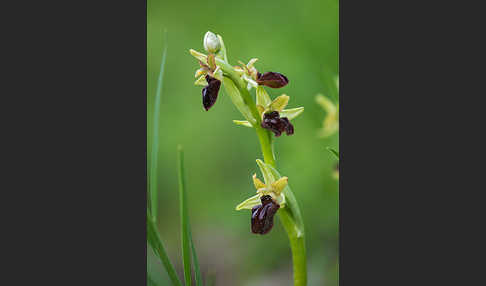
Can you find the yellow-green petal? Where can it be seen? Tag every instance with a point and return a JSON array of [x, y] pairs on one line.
[[279, 185], [258, 183], [280, 103]]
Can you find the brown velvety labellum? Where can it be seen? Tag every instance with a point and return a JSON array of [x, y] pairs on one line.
[[210, 92], [277, 125], [272, 79], [262, 215]]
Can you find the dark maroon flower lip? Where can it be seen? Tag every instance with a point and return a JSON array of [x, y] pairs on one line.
[[262, 215], [277, 125], [272, 79], [210, 92]]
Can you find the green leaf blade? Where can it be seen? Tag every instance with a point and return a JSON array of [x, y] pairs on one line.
[[155, 137], [188, 248], [195, 260], [155, 242], [334, 152]]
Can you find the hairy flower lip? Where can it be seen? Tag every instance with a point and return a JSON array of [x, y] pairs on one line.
[[210, 92], [262, 215], [273, 122], [272, 79]]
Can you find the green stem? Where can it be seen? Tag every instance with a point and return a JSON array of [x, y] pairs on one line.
[[266, 145], [297, 245], [240, 84], [263, 135], [289, 215]]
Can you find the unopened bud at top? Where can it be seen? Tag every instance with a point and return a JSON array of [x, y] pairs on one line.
[[211, 43]]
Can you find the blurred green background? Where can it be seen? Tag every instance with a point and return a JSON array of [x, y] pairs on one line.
[[296, 38]]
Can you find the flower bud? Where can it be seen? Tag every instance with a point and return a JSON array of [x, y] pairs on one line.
[[211, 43]]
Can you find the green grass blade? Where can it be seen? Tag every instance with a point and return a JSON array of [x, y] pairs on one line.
[[155, 242], [185, 231], [155, 269], [197, 269], [187, 243], [151, 281], [155, 137], [334, 152]]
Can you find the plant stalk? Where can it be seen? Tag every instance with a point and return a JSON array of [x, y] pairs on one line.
[[294, 232], [296, 238]]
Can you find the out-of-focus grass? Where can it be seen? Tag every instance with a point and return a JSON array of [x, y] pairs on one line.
[[296, 38]]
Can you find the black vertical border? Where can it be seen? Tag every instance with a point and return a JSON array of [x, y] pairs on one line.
[[400, 186], [77, 71]]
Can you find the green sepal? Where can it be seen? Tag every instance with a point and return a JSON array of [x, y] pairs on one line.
[[201, 81], [292, 113], [200, 56], [262, 97], [237, 99], [222, 52], [249, 203], [266, 172], [292, 205], [243, 123]]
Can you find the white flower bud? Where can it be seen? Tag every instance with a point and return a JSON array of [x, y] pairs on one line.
[[211, 43]]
